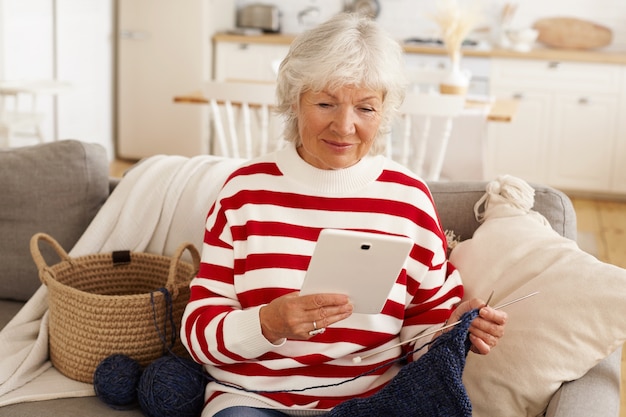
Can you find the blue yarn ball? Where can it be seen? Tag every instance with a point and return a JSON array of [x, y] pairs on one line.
[[172, 386], [116, 379]]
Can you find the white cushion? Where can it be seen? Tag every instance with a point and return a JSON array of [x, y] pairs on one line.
[[575, 321]]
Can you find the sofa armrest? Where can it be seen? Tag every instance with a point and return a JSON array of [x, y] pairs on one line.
[[455, 202], [597, 393], [113, 181]]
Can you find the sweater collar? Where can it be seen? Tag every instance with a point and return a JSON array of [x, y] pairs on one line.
[[337, 181]]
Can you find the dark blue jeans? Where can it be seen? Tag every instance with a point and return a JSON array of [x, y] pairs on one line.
[[249, 412]]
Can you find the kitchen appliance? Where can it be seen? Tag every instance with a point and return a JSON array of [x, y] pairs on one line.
[[265, 17], [369, 8]]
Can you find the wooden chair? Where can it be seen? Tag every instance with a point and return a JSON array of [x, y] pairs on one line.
[[237, 134], [18, 117], [425, 80], [14, 119], [411, 150], [232, 104]]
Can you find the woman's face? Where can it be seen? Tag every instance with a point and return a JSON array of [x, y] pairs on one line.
[[337, 128]]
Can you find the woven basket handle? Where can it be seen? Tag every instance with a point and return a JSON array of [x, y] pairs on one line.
[[40, 262], [172, 285]]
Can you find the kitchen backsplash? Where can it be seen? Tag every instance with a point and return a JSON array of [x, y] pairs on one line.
[[409, 18]]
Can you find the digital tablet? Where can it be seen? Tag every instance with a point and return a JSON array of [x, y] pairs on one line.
[[362, 265]]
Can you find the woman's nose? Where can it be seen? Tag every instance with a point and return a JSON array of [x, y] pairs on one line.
[[343, 123]]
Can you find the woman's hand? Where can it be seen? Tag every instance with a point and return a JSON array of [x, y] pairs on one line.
[[486, 329], [293, 316]]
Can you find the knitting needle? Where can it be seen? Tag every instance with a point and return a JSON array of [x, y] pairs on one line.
[[490, 297], [358, 359]]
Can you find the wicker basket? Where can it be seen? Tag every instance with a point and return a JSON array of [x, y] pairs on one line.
[[103, 304]]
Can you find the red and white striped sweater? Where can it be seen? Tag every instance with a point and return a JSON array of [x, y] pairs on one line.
[[259, 237]]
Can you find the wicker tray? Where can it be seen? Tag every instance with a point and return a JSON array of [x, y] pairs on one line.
[[572, 33], [120, 302]]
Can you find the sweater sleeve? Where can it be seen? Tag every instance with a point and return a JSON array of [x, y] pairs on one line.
[[215, 329], [433, 285]]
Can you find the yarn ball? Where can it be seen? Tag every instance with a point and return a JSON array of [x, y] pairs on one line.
[[172, 386], [116, 379]]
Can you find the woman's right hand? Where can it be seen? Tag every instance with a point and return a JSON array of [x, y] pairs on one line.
[[292, 316]]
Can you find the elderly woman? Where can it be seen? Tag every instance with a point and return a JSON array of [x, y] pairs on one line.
[[339, 89]]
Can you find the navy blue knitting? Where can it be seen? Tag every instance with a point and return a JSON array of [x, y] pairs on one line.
[[432, 386]]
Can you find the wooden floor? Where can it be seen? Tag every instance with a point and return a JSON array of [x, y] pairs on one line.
[[606, 220], [119, 166]]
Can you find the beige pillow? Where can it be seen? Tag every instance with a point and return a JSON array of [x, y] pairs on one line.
[[575, 321]]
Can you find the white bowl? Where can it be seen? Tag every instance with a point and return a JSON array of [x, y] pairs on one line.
[[522, 40]]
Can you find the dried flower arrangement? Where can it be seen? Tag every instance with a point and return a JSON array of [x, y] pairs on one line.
[[455, 23]]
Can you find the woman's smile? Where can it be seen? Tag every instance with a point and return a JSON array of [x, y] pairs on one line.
[[338, 145]]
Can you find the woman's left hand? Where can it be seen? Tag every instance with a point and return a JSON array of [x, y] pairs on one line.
[[486, 329]]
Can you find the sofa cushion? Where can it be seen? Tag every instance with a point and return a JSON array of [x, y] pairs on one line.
[[8, 310], [575, 321], [58, 197]]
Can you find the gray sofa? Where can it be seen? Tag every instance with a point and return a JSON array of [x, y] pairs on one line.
[[57, 188]]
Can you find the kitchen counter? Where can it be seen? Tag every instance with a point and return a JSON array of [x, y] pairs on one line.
[[595, 56]]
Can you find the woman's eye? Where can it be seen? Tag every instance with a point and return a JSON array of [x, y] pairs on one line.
[[324, 105]]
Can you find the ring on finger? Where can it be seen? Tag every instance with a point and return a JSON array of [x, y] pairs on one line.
[[315, 330]]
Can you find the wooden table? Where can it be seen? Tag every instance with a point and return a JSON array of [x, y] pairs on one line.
[[501, 110]]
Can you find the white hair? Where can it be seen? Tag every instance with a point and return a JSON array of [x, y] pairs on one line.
[[347, 50]]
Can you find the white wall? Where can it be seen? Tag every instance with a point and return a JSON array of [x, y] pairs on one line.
[[27, 33], [409, 18], [85, 58], [70, 40]]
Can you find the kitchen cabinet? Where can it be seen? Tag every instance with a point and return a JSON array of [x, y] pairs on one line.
[[247, 61], [566, 132], [243, 61], [520, 148], [582, 141], [478, 68]]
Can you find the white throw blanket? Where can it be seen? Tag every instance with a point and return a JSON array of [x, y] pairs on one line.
[[159, 204]]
